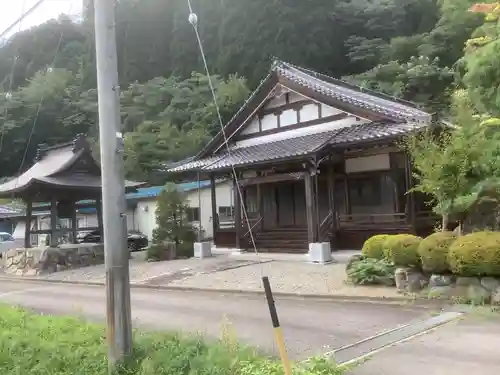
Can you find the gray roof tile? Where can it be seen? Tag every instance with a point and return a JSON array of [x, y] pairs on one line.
[[299, 146]]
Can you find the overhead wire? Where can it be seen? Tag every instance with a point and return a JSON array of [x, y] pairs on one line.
[[42, 97], [193, 20], [11, 75]]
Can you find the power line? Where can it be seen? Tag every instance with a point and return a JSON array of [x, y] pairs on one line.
[[11, 80], [20, 19]]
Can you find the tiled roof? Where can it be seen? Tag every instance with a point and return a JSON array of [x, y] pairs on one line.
[[352, 94], [372, 131], [300, 146], [286, 148]]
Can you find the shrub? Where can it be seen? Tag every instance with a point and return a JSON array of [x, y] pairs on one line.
[[371, 271], [374, 246], [401, 250], [433, 252], [476, 254], [353, 260]]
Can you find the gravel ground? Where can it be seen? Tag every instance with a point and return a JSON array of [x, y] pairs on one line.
[[287, 277]]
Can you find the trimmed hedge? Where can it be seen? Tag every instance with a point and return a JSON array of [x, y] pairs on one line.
[[374, 246], [401, 250], [433, 252], [476, 254]]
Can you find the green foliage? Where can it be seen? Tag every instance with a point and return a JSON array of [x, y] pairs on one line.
[[40, 344], [420, 80], [172, 223], [371, 271], [353, 260], [374, 246], [401, 250], [453, 166], [433, 252], [476, 254]]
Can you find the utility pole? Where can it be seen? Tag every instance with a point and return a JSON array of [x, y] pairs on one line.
[[119, 322]]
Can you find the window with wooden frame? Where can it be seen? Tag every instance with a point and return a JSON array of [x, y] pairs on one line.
[[193, 214]]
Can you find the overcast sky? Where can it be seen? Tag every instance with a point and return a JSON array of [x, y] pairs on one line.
[[11, 10]]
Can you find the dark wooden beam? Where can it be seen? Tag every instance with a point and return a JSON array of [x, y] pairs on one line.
[[331, 196], [213, 196], [394, 177], [27, 230], [237, 214], [278, 177], [53, 222], [309, 192], [279, 109], [100, 224], [410, 196], [74, 223]]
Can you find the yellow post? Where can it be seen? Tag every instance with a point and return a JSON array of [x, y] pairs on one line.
[[278, 333]]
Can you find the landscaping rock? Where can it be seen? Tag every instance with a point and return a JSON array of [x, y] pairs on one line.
[[495, 297], [415, 281], [440, 280], [400, 279], [441, 292], [490, 283], [466, 281], [478, 295]]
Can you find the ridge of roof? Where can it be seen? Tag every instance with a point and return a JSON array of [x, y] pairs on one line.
[[346, 84]]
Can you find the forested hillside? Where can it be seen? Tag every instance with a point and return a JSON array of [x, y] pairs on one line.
[[412, 49]]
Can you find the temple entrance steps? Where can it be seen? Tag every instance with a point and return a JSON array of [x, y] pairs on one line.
[[289, 240]]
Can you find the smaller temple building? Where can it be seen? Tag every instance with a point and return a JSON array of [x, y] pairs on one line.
[[62, 175]]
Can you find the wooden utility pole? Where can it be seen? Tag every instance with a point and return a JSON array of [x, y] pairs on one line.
[[119, 320]]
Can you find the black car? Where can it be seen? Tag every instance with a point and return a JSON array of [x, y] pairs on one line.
[[135, 239]]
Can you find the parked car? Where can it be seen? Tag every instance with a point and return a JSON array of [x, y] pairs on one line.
[[135, 239], [7, 242]]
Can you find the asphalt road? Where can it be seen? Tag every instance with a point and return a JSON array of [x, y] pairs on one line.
[[311, 327]]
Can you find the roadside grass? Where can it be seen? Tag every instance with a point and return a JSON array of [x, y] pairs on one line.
[[46, 345]]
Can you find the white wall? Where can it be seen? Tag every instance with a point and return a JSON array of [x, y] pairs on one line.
[[224, 197]]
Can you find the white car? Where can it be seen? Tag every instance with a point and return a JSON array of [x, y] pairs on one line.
[[7, 242]]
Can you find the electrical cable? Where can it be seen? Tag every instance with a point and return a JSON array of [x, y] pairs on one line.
[[193, 20], [11, 79]]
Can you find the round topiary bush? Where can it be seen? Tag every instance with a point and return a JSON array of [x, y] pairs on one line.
[[476, 254], [374, 246], [401, 250], [433, 252]]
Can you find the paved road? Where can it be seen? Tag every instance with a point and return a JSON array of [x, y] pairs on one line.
[[464, 347], [311, 327]]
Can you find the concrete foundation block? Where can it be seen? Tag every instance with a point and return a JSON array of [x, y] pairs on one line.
[[202, 250], [320, 253]]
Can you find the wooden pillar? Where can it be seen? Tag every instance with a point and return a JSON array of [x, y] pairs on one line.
[[27, 230], [317, 218], [74, 223], [260, 203], [98, 206], [394, 179], [331, 197], [410, 197], [310, 214], [213, 196], [237, 213], [53, 222]]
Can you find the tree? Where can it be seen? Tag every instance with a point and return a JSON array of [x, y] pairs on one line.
[[451, 166], [480, 63], [172, 226], [420, 80], [172, 119]]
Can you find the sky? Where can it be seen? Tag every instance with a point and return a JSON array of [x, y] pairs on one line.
[[11, 10]]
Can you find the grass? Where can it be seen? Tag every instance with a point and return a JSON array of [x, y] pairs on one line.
[[45, 345]]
